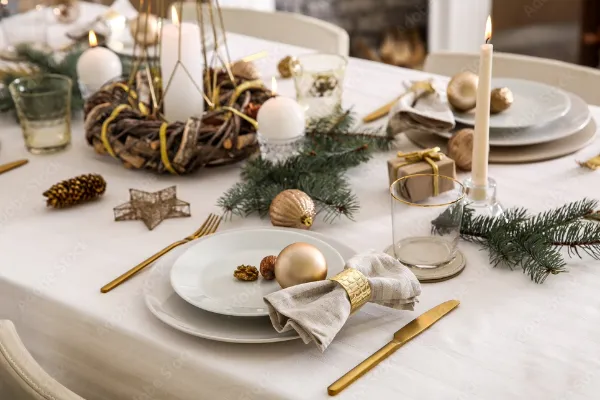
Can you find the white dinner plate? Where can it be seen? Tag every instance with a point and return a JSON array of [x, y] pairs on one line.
[[534, 104], [203, 275], [167, 306], [576, 119]]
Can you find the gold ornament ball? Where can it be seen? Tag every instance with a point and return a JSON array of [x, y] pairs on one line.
[[300, 263], [501, 100], [460, 148], [462, 91], [286, 66], [292, 208], [145, 29]]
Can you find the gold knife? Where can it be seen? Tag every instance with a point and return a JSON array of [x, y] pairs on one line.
[[15, 164], [425, 86], [414, 328]]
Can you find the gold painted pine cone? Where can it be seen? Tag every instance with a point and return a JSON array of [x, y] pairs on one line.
[[292, 209]]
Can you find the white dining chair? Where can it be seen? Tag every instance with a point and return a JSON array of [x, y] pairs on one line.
[[21, 377], [278, 26], [582, 81]]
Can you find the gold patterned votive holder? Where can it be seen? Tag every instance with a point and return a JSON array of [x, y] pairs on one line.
[[426, 232], [43, 104], [319, 81]]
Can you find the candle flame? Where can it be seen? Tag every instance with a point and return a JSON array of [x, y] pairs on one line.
[[174, 16], [488, 29], [274, 85], [92, 39]]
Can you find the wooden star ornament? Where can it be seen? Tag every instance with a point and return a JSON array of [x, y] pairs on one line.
[[152, 208]]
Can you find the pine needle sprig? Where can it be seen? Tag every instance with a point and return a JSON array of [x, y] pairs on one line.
[[330, 149], [533, 243]]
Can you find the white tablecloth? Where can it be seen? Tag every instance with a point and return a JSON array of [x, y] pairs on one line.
[[509, 339]]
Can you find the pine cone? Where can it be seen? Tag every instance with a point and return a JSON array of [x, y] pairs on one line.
[[75, 191], [246, 273]]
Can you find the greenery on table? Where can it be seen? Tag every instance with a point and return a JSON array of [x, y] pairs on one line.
[[330, 149], [37, 61], [533, 243]]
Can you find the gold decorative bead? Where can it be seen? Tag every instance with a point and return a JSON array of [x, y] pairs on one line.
[[460, 148], [286, 66], [145, 29], [501, 100], [356, 286]]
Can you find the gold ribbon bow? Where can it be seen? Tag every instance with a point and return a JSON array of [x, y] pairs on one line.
[[430, 156]]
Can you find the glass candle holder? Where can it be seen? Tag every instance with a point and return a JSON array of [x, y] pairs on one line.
[[426, 233], [279, 150], [43, 105], [319, 81]]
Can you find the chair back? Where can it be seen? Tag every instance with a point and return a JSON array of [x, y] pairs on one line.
[[582, 81], [278, 26], [21, 377]]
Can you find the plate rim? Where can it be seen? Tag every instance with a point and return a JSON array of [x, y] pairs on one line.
[[148, 297], [223, 233], [471, 123], [449, 134]]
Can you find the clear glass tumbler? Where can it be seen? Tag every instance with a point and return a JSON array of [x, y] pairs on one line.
[[43, 104], [319, 81], [426, 233]]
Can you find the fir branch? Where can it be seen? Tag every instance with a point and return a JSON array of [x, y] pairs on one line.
[[532, 243], [318, 170]]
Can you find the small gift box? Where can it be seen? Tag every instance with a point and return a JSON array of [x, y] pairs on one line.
[[430, 162]]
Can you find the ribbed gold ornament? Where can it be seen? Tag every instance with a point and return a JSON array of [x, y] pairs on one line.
[[75, 191], [292, 209]]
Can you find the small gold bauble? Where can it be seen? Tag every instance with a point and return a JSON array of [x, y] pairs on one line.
[[501, 100], [285, 66], [462, 91], [246, 70], [292, 209], [300, 263], [145, 29], [460, 148]]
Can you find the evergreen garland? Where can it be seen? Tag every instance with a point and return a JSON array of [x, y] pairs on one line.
[[330, 149], [42, 62], [533, 242]]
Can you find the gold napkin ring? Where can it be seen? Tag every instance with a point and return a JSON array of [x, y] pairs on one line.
[[356, 286]]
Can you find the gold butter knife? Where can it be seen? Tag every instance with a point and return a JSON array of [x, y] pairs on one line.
[[425, 86], [15, 164], [414, 328]]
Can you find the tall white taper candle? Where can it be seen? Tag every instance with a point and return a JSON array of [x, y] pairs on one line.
[[481, 139], [183, 97]]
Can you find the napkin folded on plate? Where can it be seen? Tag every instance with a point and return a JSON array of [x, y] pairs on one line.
[[318, 310], [422, 112]]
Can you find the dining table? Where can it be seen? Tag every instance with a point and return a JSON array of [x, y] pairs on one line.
[[510, 338]]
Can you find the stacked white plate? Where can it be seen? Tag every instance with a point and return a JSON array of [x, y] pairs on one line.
[[193, 289], [543, 122]]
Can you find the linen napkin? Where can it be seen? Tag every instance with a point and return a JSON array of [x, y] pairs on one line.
[[318, 310], [422, 112]]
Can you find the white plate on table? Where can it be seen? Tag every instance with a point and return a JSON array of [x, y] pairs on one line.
[[534, 104], [167, 306], [576, 119], [203, 275]]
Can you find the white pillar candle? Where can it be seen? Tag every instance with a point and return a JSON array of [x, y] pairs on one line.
[[481, 138], [182, 82], [97, 65], [281, 118]]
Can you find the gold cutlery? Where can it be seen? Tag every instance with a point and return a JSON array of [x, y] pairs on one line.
[[425, 86], [405, 334], [208, 227], [15, 164]]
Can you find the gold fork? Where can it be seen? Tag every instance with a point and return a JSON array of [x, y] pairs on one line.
[[208, 227]]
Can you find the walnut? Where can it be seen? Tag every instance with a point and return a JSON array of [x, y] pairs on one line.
[[246, 273], [460, 148], [267, 267]]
